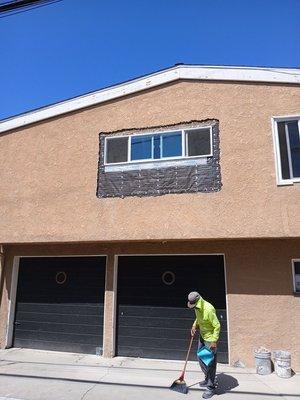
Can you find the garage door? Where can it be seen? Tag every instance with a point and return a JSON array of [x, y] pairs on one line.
[[60, 304], [153, 319]]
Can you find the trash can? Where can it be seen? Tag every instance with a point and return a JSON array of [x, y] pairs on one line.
[[282, 363], [263, 361]]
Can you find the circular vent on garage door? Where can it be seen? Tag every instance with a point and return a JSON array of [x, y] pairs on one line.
[[61, 277], [168, 278]]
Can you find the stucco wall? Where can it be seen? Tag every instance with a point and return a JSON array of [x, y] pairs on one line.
[[49, 171], [262, 308]]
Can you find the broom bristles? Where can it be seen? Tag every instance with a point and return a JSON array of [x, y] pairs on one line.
[[179, 386]]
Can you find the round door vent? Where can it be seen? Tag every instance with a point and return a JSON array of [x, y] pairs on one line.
[[61, 278], [168, 278]]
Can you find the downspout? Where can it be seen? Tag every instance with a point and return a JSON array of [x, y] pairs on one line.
[[1, 271], [2, 326]]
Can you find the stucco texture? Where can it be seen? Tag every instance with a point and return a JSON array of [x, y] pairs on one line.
[[49, 170], [261, 306]]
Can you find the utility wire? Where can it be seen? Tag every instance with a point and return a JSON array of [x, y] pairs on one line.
[[3, 3], [13, 5], [42, 3]]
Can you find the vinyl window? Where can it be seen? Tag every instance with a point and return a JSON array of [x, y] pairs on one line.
[[287, 149], [170, 145]]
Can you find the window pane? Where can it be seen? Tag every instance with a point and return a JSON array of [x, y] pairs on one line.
[[297, 267], [117, 150], [141, 147], [198, 142], [295, 147], [171, 144], [285, 169]]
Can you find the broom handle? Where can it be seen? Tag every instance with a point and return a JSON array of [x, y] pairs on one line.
[[187, 356]]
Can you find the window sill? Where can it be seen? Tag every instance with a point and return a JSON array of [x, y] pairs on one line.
[[288, 182], [296, 294], [155, 164]]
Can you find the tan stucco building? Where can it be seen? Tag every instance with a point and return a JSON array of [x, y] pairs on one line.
[[116, 204]]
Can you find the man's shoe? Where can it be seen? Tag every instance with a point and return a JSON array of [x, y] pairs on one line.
[[208, 394], [203, 383]]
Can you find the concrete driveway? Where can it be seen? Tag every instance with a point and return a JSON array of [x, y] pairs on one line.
[[42, 375]]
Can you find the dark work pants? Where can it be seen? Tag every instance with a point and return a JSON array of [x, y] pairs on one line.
[[208, 370]]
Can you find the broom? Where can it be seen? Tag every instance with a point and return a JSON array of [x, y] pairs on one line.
[[179, 385]]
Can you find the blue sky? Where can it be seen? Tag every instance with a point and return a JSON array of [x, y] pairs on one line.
[[71, 47]]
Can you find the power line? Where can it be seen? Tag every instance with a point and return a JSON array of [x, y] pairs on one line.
[[2, 3], [13, 5], [29, 7]]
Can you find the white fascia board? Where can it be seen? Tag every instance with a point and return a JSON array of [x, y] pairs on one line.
[[187, 72], [247, 74], [100, 96]]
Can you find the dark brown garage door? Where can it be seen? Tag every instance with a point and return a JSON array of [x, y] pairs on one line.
[[60, 304], [153, 320]]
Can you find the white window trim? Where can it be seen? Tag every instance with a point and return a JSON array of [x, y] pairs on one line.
[[151, 160], [294, 260], [274, 120]]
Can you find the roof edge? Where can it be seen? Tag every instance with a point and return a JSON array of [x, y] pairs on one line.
[[187, 72]]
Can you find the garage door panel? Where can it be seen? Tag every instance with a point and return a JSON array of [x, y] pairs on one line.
[[59, 291], [135, 299], [151, 278], [211, 284], [57, 318], [55, 346], [150, 341], [39, 276], [153, 322], [161, 332], [61, 308], [172, 297], [158, 322], [167, 354], [37, 326], [48, 282], [153, 319], [59, 337], [56, 315], [71, 296], [175, 312], [162, 312]]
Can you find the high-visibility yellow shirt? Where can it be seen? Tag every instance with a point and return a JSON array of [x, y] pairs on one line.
[[207, 321]]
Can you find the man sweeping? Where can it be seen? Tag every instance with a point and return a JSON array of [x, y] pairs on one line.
[[209, 326]]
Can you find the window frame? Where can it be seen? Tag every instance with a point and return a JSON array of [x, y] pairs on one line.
[[295, 260], [280, 181], [157, 160]]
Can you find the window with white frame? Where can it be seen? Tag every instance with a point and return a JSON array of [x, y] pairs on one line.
[[287, 140], [296, 274], [170, 145]]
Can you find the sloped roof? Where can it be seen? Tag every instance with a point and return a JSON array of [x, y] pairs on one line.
[[186, 72]]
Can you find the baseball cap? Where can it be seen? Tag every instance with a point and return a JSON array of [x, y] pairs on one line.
[[193, 298]]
